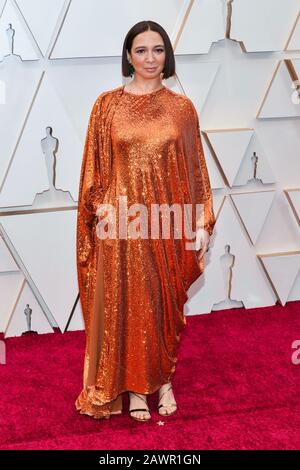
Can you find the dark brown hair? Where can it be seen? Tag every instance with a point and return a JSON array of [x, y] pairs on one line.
[[141, 27]]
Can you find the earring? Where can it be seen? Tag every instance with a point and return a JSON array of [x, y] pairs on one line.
[[131, 69]]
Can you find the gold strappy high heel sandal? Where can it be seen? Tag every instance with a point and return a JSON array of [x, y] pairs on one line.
[[139, 409], [161, 405]]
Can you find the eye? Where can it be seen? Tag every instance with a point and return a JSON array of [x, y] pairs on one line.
[[160, 50]]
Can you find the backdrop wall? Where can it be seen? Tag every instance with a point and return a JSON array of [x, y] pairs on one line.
[[239, 61]]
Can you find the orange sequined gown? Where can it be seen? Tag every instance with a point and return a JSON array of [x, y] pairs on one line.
[[146, 147]]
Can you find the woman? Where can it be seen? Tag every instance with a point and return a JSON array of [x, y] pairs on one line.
[[143, 143]]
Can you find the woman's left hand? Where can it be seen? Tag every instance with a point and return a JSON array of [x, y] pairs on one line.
[[202, 242]]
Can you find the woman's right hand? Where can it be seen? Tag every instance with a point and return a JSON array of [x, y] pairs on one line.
[[202, 242]]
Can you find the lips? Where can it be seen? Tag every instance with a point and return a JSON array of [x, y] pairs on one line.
[[151, 68]]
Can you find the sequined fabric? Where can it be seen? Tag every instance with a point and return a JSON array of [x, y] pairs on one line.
[[146, 147]]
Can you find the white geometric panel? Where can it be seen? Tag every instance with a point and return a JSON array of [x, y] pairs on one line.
[[281, 232], [282, 269], [205, 24], [249, 283], [216, 180], [280, 99], [76, 322], [41, 21], [15, 109], [237, 88], [69, 83], [7, 262], [293, 196], [28, 168], [218, 201], [280, 139], [229, 147], [294, 65], [197, 79], [17, 323], [10, 287], [2, 3], [254, 168], [263, 25], [46, 243], [99, 28], [23, 41], [295, 291], [293, 43], [253, 209]]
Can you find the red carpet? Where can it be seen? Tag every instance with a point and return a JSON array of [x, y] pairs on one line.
[[235, 386]]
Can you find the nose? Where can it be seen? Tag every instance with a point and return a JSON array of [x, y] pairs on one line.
[[149, 57]]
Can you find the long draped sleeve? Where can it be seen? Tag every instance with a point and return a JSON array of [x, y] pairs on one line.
[[94, 180], [90, 190], [201, 188]]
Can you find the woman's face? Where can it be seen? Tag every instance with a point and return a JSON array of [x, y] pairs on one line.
[[148, 54]]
